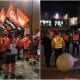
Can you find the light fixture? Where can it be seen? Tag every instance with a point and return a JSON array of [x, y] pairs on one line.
[[66, 16], [56, 16]]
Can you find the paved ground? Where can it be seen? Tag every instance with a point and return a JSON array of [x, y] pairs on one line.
[[24, 70], [54, 73]]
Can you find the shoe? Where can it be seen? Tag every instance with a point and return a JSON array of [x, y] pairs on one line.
[[34, 63], [12, 76], [6, 77]]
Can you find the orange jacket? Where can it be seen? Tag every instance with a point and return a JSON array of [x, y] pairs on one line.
[[7, 42], [19, 42], [2, 45], [26, 42]]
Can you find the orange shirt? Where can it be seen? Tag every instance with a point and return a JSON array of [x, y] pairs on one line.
[[1, 44], [75, 37], [19, 42], [26, 42], [3, 47], [7, 42]]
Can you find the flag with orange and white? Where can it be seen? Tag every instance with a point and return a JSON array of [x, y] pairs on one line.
[[2, 15], [22, 18], [12, 15]]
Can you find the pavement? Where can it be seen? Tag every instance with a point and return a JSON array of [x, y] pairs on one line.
[[24, 70], [54, 73]]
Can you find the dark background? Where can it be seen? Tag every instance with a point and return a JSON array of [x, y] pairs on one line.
[[72, 8]]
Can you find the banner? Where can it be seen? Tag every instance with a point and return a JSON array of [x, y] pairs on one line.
[[22, 19], [2, 15], [12, 15]]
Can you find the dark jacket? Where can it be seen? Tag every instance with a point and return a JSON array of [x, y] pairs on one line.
[[46, 42]]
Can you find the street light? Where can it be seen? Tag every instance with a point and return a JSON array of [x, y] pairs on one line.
[[56, 16], [66, 16]]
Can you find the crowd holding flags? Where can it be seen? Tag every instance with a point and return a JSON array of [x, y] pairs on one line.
[[11, 47]]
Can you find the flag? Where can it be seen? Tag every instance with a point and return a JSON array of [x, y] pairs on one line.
[[22, 18], [2, 15], [12, 15]]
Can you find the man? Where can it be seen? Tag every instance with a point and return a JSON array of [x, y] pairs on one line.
[[57, 44], [10, 59], [46, 41], [19, 43], [2, 51], [26, 43], [7, 41], [67, 42], [75, 38]]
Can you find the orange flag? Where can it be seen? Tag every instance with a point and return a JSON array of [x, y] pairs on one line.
[[22, 19], [12, 15], [2, 15]]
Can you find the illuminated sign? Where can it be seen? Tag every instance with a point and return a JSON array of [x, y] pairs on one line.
[[58, 23], [73, 21]]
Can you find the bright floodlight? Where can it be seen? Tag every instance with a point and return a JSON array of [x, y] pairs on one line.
[[56, 16], [66, 16]]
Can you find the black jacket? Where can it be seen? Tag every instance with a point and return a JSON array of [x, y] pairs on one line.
[[46, 42]]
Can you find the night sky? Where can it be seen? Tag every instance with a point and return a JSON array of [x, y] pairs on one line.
[[61, 7]]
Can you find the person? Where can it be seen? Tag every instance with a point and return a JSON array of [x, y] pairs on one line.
[[57, 44], [7, 41], [46, 42], [26, 43], [75, 38], [66, 38], [19, 43], [38, 50], [10, 58], [2, 52]]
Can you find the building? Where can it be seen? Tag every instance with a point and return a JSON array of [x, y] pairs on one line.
[[60, 16]]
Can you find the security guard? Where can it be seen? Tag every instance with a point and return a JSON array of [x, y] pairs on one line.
[[57, 44], [75, 38]]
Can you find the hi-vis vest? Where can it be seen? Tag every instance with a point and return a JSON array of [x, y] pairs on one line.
[[57, 42]]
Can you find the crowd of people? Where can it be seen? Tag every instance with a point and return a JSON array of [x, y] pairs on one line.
[[59, 43], [17, 48]]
